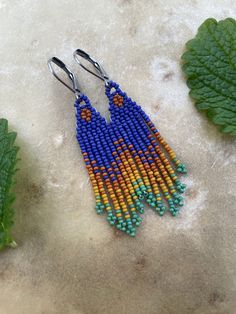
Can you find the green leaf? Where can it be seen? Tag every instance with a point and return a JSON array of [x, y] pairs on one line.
[[8, 153], [210, 68]]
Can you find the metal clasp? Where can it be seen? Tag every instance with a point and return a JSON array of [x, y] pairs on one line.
[[101, 73], [75, 85]]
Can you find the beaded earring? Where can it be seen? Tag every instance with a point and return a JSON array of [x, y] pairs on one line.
[[127, 159]]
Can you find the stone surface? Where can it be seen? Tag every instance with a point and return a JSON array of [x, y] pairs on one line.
[[68, 259]]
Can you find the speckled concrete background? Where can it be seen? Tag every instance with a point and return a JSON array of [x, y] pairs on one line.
[[68, 259]]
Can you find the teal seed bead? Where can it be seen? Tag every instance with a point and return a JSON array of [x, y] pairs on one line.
[[149, 200], [145, 194], [141, 206]]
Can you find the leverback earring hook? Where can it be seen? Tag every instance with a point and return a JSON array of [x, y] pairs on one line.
[[101, 73], [75, 85]]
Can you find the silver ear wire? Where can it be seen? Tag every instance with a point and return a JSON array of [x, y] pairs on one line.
[[101, 73], [75, 85]]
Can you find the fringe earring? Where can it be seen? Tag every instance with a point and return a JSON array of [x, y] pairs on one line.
[[127, 159], [138, 163]]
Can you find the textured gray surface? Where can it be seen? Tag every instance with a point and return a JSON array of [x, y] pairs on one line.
[[68, 259]]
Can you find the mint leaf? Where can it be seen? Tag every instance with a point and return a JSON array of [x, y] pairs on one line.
[[210, 68], [8, 152]]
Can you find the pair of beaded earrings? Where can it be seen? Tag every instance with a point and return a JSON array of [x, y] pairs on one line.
[[127, 159]]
